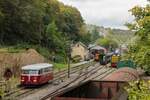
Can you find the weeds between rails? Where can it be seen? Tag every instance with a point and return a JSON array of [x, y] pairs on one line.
[[58, 75], [81, 81]]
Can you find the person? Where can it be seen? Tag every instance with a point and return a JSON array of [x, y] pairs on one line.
[[7, 74]]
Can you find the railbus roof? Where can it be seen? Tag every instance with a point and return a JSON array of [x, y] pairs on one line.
[[36, 66]]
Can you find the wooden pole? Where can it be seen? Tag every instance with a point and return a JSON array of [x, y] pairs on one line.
[[68, 67]]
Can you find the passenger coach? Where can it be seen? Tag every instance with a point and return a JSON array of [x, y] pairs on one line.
[[36, 74]]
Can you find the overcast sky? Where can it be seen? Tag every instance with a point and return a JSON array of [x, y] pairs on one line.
[[107, 13]]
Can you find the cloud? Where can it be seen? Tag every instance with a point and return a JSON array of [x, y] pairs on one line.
[[109, 13]]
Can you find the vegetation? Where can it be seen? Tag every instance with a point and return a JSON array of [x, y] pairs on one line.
[[76, 58], [109, 38], [138, 90], [139, 51], [59, 66], [109, 41], [45, 23], [140, 48]]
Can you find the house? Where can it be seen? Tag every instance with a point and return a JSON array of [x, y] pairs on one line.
[[80, 49]]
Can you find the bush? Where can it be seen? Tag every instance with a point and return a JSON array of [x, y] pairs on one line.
[[76, 59], [43, 51], [59, 59], [138, 90]]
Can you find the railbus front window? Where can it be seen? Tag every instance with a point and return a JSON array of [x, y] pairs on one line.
[[30, 72]]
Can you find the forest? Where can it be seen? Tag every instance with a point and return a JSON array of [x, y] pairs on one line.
[[40, 23]]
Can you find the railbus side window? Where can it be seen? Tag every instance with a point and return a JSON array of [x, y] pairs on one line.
[[49, 69], [25, 71], [40, 71], [46, 69]]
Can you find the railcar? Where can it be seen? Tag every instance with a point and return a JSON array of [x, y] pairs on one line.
[[114, 60], [105, 58], [98, 54], [108, 57], [36, 74]]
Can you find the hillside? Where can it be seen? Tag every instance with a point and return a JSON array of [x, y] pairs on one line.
[[118, 34], [16, 60]]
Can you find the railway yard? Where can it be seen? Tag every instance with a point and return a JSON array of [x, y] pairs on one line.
[[74, 50], [96, 79], [78, 75]]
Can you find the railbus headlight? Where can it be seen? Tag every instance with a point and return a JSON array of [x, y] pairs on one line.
[[35, 79], [22, 79]]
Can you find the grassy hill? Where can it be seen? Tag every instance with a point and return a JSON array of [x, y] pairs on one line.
[[119, 35]]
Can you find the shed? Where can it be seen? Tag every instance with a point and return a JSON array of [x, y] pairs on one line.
[[123, 74], [79, 49]]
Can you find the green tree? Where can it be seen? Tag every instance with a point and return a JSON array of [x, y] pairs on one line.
[[22, 21], [138, 90], [70, 21], [110, 41], [40, 22], [140, 50], [94, 34]]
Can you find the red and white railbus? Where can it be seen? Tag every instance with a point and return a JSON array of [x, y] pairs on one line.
[[36, 74]]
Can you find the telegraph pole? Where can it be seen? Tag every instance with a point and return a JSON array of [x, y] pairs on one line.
[[69, 57], [68, 67]]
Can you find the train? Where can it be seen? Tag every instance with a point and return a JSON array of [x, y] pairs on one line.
[[114, 60], [36, 74], [105, 58]]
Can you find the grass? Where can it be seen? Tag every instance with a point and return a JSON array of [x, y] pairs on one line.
[[22, 47], [11, 50], [60, 66]]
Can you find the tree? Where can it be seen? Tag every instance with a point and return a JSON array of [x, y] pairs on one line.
[[140, 50], [1, 26], [22, 21], [70, 22], [138, 90], [94, 34], [40, 22]]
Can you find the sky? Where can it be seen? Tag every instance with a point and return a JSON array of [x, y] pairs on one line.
[[107, 13]]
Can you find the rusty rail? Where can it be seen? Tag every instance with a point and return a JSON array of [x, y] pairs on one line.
[[58, 75], [82, 80]]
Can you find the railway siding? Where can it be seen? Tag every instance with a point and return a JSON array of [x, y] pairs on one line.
[[79, 75], [49, 89], [92, 72], [101, 72], [57, 75]]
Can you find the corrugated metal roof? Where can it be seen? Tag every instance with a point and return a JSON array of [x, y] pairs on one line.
[[123, 74], [97, 48]]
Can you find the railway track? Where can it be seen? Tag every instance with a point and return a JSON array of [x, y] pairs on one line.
[[41, 92], [64, 73], [84, 77], [22, 92]]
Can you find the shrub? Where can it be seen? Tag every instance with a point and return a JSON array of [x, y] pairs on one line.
[[138, 90], [76, 59]]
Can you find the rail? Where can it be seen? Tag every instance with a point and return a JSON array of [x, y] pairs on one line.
[[80, 80], [57, 76]]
